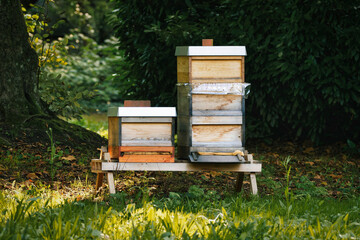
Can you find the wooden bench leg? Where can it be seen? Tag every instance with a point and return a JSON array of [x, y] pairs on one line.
[[111, 183], [239, 182], [99, 181], [253, 184]]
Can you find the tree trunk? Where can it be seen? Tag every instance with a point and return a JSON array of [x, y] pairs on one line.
[[19, 96]]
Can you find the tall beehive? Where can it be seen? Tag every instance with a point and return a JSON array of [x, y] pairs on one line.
[[211, 106], [141, 134]]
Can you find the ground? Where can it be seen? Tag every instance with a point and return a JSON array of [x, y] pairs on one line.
[[318, 171]]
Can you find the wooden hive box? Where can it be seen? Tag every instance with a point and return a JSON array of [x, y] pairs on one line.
[[211, 106], [141, 134]]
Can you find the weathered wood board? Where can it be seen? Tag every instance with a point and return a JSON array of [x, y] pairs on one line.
[[216, 102], [220, 70], [213, 120], [146, 132], [216, 133]]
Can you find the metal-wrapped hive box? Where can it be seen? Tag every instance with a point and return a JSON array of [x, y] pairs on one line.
[[211, 108], [141, 134]]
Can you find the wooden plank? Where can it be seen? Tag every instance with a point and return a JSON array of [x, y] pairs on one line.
[[217, 57], [216, 133], [216, 102], [239, 182], [147, 158], [114, 133], [234, 145], [147, 143], [146, 132], [224, 120], [243, 68], [216, 113], [99, 180], [207, 69], [146, 149], [146, 120], [183, 137], [183, 69], [111, 183], [253, 184], [176, 167], [215, 149], [217, 80], [184, 100], [137, 103]]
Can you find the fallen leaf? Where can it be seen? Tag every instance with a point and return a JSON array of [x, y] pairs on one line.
[[32, 176], [335, 176], [324, 183], [69, 158], [317, 177], [308, 150], [2, 168], [311, 163]]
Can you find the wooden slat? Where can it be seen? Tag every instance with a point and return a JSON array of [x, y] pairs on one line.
[[146, 120], [217, 57], [114, 136], [146, 132], [147, 143], [207, 69], [217, 80], [183, 69], [216, 102], [176, 167], [137, 103], [147, 158], [111, 183], [199, 120], [216, 133], [216, 113], [146, 149], [233, 144], [215, 149]]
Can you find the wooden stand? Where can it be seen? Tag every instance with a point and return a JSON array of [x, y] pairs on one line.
[[105, 166]]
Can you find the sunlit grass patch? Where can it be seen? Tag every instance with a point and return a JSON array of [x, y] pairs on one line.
[[42, 213], [96, 122]]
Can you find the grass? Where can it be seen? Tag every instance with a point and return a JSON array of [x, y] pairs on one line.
[[41, 213]]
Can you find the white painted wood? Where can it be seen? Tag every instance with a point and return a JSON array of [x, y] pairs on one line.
[[210, 51], [253, 184], [178, 167], [146, 120], [111, 183], [142, 112], [198, 120]]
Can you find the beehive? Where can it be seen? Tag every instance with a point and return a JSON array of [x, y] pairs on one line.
[[211, 107], [141, 134]]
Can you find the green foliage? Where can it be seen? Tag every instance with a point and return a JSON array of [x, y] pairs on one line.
[[303, 58], [88, 76]]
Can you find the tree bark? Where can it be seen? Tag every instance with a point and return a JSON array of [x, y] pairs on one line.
[[19, 96]]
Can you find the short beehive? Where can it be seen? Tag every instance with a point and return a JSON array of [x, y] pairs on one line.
[[211, 106], [141, 134]]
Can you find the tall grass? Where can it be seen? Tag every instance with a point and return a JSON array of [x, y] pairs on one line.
[[46, 214]]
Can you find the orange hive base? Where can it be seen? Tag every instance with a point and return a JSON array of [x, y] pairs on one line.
[[146, 154]]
